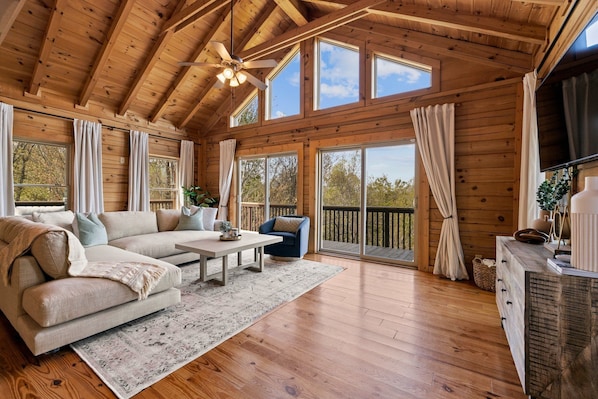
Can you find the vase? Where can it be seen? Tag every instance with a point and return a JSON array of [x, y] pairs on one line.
[[584, 226], [543, 223]]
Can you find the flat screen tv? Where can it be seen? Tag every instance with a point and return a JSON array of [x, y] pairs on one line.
[[567, 105]]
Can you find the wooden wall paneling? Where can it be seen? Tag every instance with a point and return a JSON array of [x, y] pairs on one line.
[[115, 145]]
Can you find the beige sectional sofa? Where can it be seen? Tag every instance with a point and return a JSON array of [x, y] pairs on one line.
[[49, 308]]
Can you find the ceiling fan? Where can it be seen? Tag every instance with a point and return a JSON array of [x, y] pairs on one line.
[[234, 68]]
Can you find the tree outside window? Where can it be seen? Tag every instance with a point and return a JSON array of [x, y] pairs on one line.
[[163, 182], [40, 173]]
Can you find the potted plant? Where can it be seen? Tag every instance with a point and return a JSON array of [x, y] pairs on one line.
[[195, 195], [225, 228], [550, 195]]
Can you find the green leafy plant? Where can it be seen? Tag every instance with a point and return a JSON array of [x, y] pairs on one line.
[[551, 191], [195, 195], [225, 226]]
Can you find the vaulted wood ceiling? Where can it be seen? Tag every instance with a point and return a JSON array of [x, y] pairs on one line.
[[123, 56]]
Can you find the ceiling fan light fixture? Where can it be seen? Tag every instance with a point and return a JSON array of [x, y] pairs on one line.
[[221, 77], [241, 77], [228, 73], [234, 82]]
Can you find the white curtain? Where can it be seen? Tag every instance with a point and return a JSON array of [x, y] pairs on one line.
[[227, 159], [530, 176], [580, 101], [139, 194], [435, 134], [88, 190], [186, 164], [7, 201]]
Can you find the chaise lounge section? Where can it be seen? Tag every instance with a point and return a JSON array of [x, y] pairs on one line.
[[50, 308]]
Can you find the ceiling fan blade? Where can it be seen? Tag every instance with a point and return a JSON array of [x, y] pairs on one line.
[[221, 50], [260, 64], [208, 64], [218, 84], [254, 81]]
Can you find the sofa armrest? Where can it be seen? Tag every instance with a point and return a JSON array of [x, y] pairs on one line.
[[25, 273]]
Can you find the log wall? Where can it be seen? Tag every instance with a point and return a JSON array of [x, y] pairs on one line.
[[488, 129], [35, 126]]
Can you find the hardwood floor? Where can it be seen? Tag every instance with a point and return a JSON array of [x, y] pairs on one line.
[[373, 331]]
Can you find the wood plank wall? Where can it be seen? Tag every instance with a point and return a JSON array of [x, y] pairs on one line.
[[487, 132], [31, 125]]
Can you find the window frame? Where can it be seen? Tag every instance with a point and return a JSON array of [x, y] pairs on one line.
[[359, 45], [401, 56], [67, 172], [272, 75], [252, 95], [175, 190]]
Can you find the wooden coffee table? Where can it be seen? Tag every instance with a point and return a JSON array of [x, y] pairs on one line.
[[216, 248]]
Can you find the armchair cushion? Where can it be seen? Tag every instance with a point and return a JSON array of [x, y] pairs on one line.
[[287, 224]]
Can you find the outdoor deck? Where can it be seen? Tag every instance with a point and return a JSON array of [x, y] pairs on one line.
[[370, 250]]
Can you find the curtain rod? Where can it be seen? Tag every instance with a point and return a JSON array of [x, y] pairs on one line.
[[68, 118]]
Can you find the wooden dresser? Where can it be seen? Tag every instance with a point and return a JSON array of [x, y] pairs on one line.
[[550, 320]]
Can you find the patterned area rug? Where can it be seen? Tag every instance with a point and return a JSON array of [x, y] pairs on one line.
[[131, 357]]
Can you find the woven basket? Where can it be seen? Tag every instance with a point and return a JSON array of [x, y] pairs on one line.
[[484, 276]]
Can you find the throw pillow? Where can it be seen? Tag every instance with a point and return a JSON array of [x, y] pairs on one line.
[[62, 219], [190, 220], [90, 230], [168, 219], [57, 252], [209, 217], [287, 224]]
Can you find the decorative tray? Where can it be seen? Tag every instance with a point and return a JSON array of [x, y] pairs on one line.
[[237, 238]]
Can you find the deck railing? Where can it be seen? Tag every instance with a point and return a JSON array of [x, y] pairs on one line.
[[387, 227], [161, 204]]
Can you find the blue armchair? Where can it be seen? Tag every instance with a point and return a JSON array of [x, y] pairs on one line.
[[294, 231]]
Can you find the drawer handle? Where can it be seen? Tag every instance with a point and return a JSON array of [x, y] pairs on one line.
[[500, 279], [503, 261], [509, 303], [503, 318], [503, 290]]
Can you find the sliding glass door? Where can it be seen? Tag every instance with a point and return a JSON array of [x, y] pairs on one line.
[[367, 198]]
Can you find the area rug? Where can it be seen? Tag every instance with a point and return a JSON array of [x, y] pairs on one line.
[[131, 357]]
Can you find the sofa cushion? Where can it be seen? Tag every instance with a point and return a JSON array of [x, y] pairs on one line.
[[90, 230], [190, 220], [287, 224], [167, 219], [58, 251], [58, 301], [160, 245], [62, 219], [128, 223]]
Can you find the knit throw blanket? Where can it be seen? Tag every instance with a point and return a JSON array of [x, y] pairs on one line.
[[138, 276], [22, 243]]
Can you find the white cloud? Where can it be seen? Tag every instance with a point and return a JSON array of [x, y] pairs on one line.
[[339, 71], [386, 69]]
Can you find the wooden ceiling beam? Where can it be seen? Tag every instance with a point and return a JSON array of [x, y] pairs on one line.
[[223, 20], [46, 49], [98, 67], [471, 23], [524, 32], [8, 15], [205, 12], [294, 10], [478, 53], [264, 15], [326, 23], [191, 12], [148, 65]]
